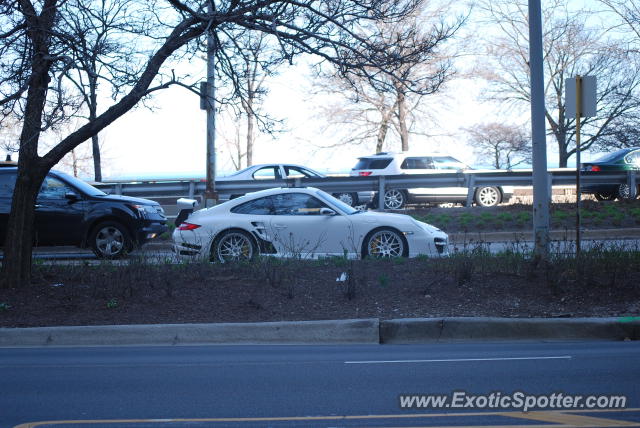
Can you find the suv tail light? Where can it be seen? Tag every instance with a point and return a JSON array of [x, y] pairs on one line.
[[364, 173], [188, 226]]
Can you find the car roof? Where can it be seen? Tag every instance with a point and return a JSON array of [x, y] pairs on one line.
[[262, 165], [403, 154]]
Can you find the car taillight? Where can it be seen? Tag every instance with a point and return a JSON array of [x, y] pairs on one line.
[[188, 226], [364, 173], [594, 168]]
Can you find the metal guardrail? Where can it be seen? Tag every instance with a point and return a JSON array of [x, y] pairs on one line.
[[194, 188]]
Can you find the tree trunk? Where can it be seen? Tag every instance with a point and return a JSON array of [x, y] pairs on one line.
[[250, 133], [402, 119], [16, 264], [95, 142], [382, 134]]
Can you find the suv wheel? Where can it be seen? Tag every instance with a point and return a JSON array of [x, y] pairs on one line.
[[347, 198], [488, 196], [394, 199], [110, 240]]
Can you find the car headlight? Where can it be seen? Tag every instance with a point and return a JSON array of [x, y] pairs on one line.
[[146, 210]]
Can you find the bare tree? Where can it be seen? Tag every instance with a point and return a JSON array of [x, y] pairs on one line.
[[503, 146], [100, 53], [231, 142], [9, 134], [571, 48], [628, 11], [254, 59], [374, 107], [35, 42]]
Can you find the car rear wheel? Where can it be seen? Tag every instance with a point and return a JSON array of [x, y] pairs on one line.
[[348, 198], [488, 196], [385, 243], [624, 191], [110, 240], [233, 246], [394, 199]]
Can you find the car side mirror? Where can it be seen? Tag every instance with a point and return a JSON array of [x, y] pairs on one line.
[[71, 196], [327, 211]]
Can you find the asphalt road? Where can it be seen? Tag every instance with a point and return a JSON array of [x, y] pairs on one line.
[[310, 386]]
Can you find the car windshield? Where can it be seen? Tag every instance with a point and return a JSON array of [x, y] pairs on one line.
[[612, 156], [345, 208], [447, 162], [84, 187]]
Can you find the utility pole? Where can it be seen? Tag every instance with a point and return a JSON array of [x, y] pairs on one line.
[[538, 134], [211, 196]]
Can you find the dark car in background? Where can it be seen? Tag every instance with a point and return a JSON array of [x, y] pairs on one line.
[[621, 160], [72, 212]]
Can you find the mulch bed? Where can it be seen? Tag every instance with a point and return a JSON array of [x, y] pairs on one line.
[[273, 290]]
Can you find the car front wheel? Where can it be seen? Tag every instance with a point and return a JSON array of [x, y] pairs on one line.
[[394, 199], [385, 243], [233, 246], [488, 196], [110, 240]]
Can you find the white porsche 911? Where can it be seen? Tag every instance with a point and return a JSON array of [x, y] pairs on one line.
[[301, 222]]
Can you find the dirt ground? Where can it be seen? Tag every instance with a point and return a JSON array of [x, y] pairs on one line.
[[471, 284]]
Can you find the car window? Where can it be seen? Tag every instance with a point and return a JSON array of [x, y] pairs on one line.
[[267, 173], [417, 163], [53, 188], [261, 206], [447, 162], [84, 187], [297, 204], [7, 183], [369, 163], [295, 172]]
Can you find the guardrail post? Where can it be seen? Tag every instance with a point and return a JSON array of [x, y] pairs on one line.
[[632, 183], [381, 190], [192, 189], [118, 189], [470, 181], [550, 186]]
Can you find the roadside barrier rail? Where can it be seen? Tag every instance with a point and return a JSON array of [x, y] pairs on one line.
[[195, 187]]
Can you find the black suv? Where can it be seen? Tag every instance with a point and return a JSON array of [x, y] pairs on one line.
[[72, 212]]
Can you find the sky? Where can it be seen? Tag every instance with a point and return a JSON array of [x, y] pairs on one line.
[[170, 140]]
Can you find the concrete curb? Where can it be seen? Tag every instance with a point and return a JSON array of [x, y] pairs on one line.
[[424, 330], [555, 235], [360, 331]]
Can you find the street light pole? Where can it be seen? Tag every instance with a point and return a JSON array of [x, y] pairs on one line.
[[211, 195], [538, 134]]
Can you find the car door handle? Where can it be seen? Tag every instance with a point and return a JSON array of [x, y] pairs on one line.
[[280, 226]]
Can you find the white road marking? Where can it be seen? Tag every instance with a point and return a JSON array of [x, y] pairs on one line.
[[459, 360]]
